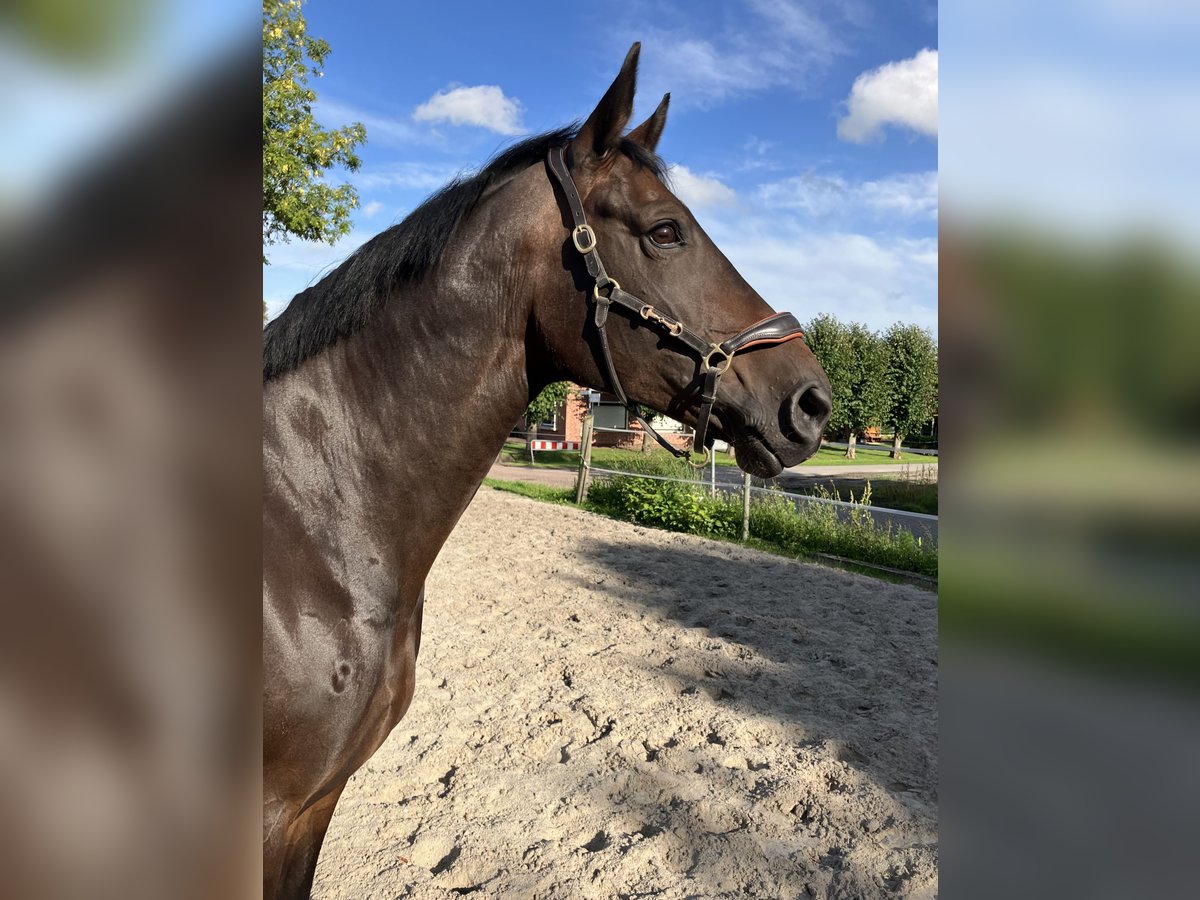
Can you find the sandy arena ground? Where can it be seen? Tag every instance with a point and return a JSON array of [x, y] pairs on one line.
[[604, 710]]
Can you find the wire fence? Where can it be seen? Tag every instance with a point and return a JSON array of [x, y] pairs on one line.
[[746, 484], [791, 496], [680, 430], [918, 523]]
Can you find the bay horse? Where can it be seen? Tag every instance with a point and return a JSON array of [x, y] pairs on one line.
[[391, 384]]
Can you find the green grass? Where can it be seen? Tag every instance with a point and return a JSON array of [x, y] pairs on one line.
[[997, 596], [543, 492], [867, 456]]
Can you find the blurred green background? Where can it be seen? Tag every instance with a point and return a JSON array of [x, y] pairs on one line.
[[1072, 494]]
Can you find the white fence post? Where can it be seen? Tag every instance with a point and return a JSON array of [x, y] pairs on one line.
[[745, 506]]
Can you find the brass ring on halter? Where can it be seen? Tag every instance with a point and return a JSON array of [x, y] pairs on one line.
[[591, 236], [611, 283], [707, 360], [703, 462]]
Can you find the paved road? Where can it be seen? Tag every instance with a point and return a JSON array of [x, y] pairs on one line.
[[798, 479]]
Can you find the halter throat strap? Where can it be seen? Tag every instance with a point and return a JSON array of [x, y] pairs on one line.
[[715, 358]]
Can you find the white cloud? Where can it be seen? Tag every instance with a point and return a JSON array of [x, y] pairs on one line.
[[909, 195], [380, 129], [415, 176], [312, 257], [863, 250], [913, 195], [700, 191], [858, 278], [297, 264], [901, 93], [372, 209], [483, 105], [775, 43]]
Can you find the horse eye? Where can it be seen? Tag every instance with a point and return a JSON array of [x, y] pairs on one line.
[[665, 234]]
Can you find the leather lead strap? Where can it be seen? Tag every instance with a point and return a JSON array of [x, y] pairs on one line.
[[708, 396], [773, 330]]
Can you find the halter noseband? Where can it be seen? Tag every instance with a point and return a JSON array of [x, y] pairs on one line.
[[715, 358]]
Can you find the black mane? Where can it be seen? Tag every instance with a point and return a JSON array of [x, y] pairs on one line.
[[341, 302]]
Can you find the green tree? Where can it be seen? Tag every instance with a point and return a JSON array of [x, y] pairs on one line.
[[912, 374], [829, 342], [546, 403], [84, 36], [869, 393], [855, 363], [544, 406], [297, 201]]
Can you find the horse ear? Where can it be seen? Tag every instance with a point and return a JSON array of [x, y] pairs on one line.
[[648, 133], [602, 130]]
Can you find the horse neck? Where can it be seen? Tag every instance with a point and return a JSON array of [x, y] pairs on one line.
[[386, 435]]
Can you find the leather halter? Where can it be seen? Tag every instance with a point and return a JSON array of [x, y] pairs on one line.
[[715, 358]]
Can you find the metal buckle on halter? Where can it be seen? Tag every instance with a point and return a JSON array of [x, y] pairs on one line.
[[703, 462], [580, 230], [706, 361], [610, 283], [650, 314]]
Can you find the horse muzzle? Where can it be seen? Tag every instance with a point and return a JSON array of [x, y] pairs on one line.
[[769, 434]]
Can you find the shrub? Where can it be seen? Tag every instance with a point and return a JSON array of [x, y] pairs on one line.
[[672, 505], [817, 528], [778, 521]]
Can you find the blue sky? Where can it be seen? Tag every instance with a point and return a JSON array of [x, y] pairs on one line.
[[804, 134]]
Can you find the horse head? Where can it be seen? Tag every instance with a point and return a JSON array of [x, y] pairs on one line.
[[683, 320]]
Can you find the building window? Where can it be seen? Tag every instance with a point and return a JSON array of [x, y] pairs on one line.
[[550, 424], [611, 415]]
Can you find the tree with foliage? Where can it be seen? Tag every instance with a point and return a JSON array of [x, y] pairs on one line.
[[85, 36], [869, 390], [546, 403], [827, 338], [297, 201], [544, 406], [856, 365], [912, 373]]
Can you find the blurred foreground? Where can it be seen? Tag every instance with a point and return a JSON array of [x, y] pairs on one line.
[[129, 485], [1070, 411], [1070, 618]]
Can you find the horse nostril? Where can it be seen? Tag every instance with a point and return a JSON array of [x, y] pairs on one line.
[[804, 413], [814, 402]]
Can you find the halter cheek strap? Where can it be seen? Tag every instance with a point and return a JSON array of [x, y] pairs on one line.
[[715, 358]]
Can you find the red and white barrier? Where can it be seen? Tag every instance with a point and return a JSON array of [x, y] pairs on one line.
[[554, 445]]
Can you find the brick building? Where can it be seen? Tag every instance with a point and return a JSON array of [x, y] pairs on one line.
[[564, 430]]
